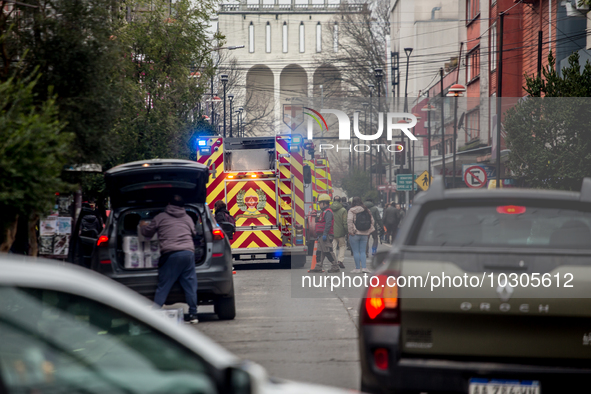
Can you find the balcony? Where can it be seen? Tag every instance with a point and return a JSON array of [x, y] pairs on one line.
[[275, 8]]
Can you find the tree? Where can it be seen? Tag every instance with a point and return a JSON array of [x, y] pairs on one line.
[[70, 42], [33, 151], [550, 137], [160, 104], [358, 185]]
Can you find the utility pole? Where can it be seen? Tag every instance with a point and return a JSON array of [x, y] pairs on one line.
[[499, 93], [442, 125]]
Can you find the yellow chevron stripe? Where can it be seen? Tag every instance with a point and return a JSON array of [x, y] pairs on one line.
[[240, 243]]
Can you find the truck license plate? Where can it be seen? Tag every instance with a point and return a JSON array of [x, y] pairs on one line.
[[500, 386]]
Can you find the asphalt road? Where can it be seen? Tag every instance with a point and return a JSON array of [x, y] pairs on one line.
[[305, 339]]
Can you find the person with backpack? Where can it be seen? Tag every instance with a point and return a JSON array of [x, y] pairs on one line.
[[392, 217], [361, 224], [378, 226], [340, 230], [325, 233], [222, 215]]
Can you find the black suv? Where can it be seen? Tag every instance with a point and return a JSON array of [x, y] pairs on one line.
[[138, 192]]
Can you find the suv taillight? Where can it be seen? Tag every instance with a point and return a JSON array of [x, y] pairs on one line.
[[103, 239], [218, 234], [382, 305]]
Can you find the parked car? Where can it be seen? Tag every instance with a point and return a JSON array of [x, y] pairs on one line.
[[55, 340], [503, 336], [138, 192]]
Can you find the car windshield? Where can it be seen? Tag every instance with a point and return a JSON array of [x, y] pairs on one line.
[[506, 226], [54, 342]]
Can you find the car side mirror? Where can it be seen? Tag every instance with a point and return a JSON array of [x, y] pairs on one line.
[[237, 381], [307, 175]]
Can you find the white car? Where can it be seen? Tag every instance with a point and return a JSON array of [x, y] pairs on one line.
[[64, 329]]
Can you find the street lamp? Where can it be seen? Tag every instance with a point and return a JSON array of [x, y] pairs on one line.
[[429, 108], [230, 48], [456, 91], [365, 105], [370, 86], [237, 112], [379, 73], [408, 52], [231, 97], [241, 109], [224, 79]]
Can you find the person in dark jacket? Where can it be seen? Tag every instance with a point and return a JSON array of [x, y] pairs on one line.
[[176, 231], [222, 215], [379, 227], [325, 233], [392, 216]]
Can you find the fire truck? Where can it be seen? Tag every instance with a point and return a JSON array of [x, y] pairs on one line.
[[261, 180]]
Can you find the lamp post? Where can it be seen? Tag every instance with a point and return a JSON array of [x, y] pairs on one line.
[[379, 73], [456, 91], [241, 122], [230, 48], [365, 105], [237, 112], [429, 108], [224, 79], [412, 167], [408, 52], [231, 97], [370, 86]]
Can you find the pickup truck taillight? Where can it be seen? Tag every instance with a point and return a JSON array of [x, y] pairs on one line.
[[381, 305]]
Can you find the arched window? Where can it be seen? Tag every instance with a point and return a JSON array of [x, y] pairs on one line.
[[302, 38], [284, 37], [336, 37], [319, 37], [251, 38], [268, 38]]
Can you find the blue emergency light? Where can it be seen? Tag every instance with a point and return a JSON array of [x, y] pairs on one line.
[[202, 143]]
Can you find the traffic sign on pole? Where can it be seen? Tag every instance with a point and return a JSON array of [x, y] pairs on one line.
[[475, 177], [423, 180], [404, 182]]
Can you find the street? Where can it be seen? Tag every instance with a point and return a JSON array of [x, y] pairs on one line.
[[306, 339]]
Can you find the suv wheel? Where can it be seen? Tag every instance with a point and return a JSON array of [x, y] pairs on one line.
[[225, 307]]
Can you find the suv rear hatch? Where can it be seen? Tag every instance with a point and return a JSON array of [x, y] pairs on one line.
[[154, 182], [511, 314]]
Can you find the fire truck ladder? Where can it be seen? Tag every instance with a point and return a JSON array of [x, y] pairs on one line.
[[288, 215], [317, 178]]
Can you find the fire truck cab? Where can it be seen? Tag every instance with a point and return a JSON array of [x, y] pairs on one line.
[[261, 181]]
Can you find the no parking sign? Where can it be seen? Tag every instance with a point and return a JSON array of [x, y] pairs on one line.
[[475, 177]]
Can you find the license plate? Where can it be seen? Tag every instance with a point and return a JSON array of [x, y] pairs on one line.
[[500, 386]]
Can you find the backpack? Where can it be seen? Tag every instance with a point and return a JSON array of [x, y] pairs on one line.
[[229, 218], [363, 221]]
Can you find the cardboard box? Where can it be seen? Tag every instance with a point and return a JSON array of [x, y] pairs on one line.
[[134, 260]]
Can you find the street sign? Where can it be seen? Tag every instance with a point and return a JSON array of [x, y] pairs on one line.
[[387, 187], [404, 182], [475, 177], [423, 180]]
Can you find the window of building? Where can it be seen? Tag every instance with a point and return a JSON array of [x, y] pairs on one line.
[[268, 38], [284, 37], [472, 126], [318, 37], [472, 10], [473, 64], [336, 37], [251, 38], [302, 38], [493, 47]]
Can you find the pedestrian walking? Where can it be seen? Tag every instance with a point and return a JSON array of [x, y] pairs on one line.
[[340, 230], [392, 216], [378, 226], [176, 231], [325, 233], [222, 215], [360, 224]]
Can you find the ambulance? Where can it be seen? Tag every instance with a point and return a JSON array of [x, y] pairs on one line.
[[261, 180]]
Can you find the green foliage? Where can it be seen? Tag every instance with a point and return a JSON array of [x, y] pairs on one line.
[[573, 83], [70, 42], [358, 185], [550, 137], [161, 95], [33, 150]]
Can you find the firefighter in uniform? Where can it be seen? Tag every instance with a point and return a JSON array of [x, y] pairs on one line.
[[325, 234]]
